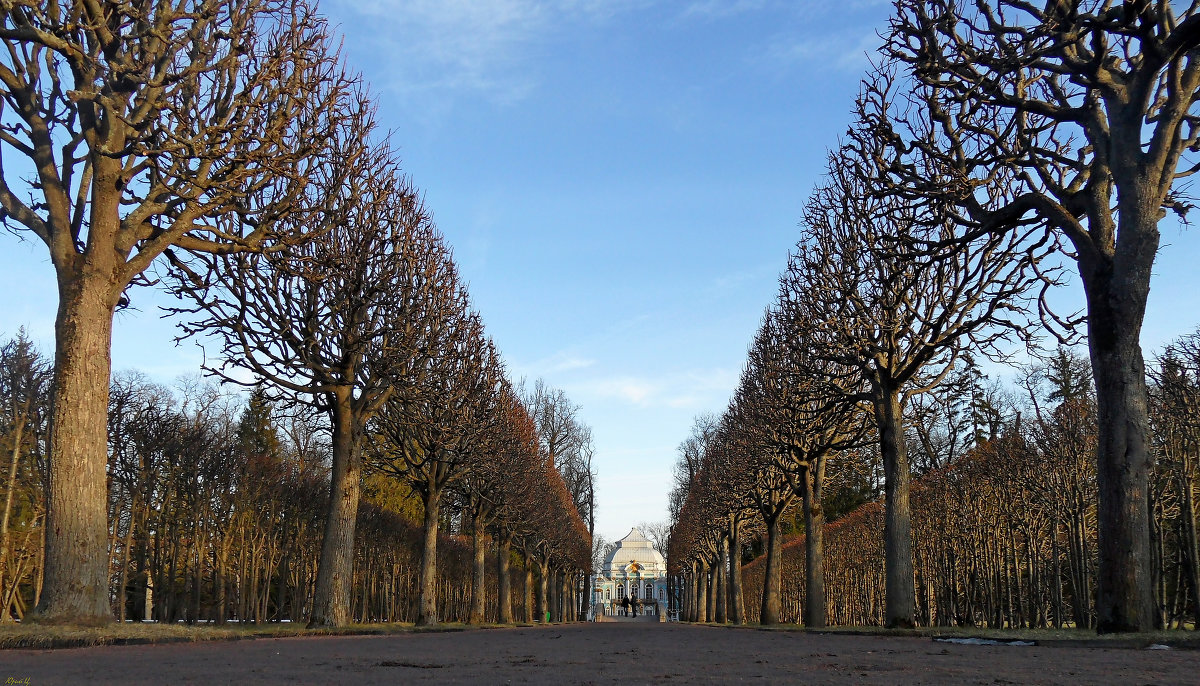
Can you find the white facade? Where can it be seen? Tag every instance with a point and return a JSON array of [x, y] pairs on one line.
[[634, 570]]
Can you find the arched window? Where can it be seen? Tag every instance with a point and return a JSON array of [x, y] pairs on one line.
[[649, 590], [661, 594], [620, 592], [607, 594]]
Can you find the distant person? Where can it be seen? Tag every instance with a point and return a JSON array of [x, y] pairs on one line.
[[634, 604], [624, 607]]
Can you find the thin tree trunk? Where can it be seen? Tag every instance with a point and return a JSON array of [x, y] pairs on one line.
[[331, 598], [710, 598], [543, 606], [773, 574], [18, 435], [75, 588], [900, 589], [721, 581], [702, 594], [478, 576], [504, 580], [814, 546], [527, 590], [738, 603]]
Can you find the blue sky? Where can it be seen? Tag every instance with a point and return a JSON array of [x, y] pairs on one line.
[[621, 181]]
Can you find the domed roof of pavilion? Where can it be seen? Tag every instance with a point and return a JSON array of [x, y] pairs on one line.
[[635, 547]]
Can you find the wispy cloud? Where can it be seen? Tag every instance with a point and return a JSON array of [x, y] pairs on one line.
[[441, 48], [696, 388], [716, 9], [444, 45], [846, 50]]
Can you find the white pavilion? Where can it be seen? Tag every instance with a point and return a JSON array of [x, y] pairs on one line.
[[634, 570]]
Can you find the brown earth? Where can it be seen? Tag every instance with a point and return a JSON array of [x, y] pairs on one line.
[[598, 653]]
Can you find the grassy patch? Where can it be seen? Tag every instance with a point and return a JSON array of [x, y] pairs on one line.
[[41, 636]]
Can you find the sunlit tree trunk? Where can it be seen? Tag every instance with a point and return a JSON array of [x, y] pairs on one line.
[[331, 599], [427, 583], [900, 589], [76, 574]]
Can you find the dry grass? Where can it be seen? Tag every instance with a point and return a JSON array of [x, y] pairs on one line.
[[42, 636]]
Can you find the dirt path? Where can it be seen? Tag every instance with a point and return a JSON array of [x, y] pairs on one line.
[[598, 653]]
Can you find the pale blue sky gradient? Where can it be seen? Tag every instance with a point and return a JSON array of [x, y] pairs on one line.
[[621, 181]]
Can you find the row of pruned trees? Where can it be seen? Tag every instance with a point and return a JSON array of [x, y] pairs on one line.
[[993, 144], [1005, 534], [218, 511], [225, 143], [1004, 511]]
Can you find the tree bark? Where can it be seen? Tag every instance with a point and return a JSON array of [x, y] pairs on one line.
[[773, 576], [478, 575], [900, 587], [722, 583], [1116, 291], [427, 583], [543, 600], [331, 598], [528, 589], [814, 546], [710, 598], [737, 603], [504, 580], [75, 588], [701, 594]]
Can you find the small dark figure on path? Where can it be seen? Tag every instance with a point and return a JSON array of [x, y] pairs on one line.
[[624, 607], [634, 604]]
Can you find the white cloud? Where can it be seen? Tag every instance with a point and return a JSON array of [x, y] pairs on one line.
[[842, 50], [715, 9], [558, 363], [695, 389], [446, 47]]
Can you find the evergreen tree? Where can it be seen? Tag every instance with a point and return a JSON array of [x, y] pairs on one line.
[[257, 435]]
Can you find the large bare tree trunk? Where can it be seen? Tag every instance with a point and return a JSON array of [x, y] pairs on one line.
[[478, 576], [76, 571], [1116, 295], [331, 597], [702, 594], [899, 583], [814, 547], [504, 580], [773, 577], [427, 583]]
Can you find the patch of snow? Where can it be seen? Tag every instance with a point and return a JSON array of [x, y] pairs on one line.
[[1159, 646], [983, 642]]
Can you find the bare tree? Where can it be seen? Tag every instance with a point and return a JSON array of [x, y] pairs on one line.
[[804, 407], [1090, 109], [333, 322], [896, 317], [438, 418], [145, 126]]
